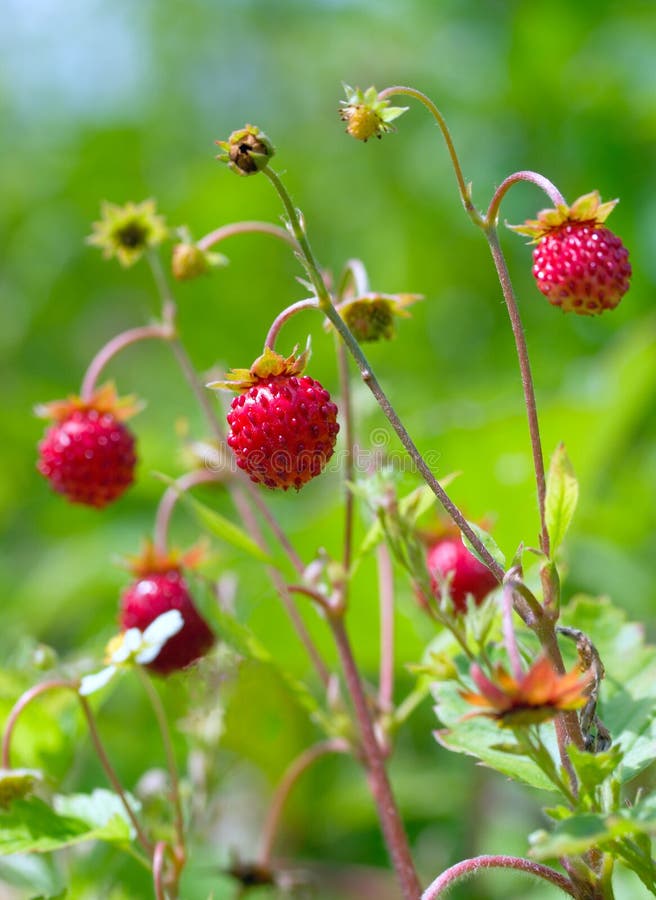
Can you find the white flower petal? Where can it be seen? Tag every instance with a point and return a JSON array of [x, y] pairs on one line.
[[91, 683], [164, 627]]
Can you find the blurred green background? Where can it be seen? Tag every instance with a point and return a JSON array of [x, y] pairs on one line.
[[122, 101]]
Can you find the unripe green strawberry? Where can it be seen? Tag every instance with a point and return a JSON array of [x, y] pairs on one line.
[[450, 562], [283, 425], [578, 264]]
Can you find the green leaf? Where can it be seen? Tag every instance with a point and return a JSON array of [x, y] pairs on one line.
[[33, 826], [219, 526], [482, 738], [578, 834], [488, 542], [562, 497], [593, 769]]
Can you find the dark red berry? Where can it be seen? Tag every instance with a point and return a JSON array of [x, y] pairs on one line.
[[151, 596], [450, 560], [89, 457], [283, 430]]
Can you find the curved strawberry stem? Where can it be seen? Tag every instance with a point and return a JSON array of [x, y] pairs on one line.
[[18, 707], [463, 189], [170, 498], [469, 867], [284, 316], [540, 181], [226, 231], [164, 332], [292, 774]]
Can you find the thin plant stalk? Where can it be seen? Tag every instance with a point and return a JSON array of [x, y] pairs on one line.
[[463, 188], [386, 599], [111, 774], [288, 781], [469, 867], [171, 765], [388, 813], [120, 342], [159, 859], [527, 381], [509, 636], [371, 381], [346, 414], [226, 231]]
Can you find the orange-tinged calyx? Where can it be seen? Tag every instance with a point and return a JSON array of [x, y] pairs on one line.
[[269, 365], [103, 400], [151, 561], [587, 208], [535, 696]]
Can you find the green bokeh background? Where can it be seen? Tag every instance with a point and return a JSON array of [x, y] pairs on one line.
[[122, 101]]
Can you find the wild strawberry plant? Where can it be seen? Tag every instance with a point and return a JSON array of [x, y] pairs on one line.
[[553, 692]]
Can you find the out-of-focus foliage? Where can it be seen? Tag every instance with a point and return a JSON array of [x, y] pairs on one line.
[[122, 101]]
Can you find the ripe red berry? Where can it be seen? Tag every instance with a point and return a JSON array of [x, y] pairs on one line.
[[578, 264], [88, 456], [582, 268], [151, 596], [283, 430], [449, 559]]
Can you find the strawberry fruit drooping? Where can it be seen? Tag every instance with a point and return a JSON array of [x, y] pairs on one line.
[[283, 424], [160, 586], [88, 455], [578, 263]]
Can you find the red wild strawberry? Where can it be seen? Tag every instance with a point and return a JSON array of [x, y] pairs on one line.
[[160, 587], [283, 426], [88, 455], [450, 561], [579, 265]]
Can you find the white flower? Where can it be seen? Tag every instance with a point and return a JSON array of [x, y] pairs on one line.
[[133, 646]]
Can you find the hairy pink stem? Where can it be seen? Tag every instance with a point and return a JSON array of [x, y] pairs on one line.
[[386, 595], [21, 704], [543, 183], [471, 866], [111, 774], [284, 316], [226, 231], [509, 636], [111, 348], [289, 779], [388, 813], [170, 498]]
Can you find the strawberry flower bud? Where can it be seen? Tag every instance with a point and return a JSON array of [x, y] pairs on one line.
[[247, 151]]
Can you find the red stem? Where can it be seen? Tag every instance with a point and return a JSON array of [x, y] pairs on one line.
[[390, 820], [284, 316], [20, 705], [543, 183], [170, 498], [118, 343], [386, 597], [471, 866]]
